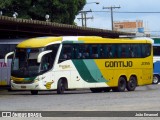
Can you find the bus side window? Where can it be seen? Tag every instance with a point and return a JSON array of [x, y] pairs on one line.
[[80, 52], [131, 52], [76, 51], [146, 48], [103, 51], [86, 52], [109, 51], [95, 51], [135, 51], [123, 51], [138, 50], [114, 51], [66, 53]]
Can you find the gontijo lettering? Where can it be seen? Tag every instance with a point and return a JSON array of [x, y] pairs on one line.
[[118, 64]]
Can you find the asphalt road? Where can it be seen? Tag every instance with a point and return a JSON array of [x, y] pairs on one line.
[[144, 98]]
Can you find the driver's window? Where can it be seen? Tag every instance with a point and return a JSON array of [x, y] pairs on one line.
[[45, 63]]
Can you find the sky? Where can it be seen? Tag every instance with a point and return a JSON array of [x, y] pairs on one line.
[[102, 19]]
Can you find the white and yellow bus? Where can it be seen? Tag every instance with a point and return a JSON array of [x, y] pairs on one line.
[[64, 63]]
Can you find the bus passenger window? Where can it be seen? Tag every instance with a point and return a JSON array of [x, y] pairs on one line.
[[145, 50], [102, 51], [86, 51], [66, 53], [123, 55], [79, 55], [131, 53], [134, 51], [95, 51], [82, 51], [109, 50]]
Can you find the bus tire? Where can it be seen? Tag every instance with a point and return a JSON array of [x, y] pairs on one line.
[[121, 85], [131, 84], [96, 90], [156, 79], [34, 92], [61, 86]]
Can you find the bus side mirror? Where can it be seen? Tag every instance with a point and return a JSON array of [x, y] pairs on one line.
[[42, 54], [7, 55]]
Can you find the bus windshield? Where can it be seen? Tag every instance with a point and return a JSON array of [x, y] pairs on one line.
[[25, 63]]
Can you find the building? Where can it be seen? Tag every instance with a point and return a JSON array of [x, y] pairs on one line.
[[136, 27]]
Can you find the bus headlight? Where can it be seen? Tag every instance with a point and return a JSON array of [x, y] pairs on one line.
[[37, 80]]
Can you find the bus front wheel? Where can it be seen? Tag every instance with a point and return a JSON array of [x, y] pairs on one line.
[[131, 84], [60, 87], [156, 79], [34, 92]]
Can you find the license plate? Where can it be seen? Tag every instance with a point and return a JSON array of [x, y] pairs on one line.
[[23, 87]]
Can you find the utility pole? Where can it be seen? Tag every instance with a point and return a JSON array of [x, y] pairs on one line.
[[84, 18], [111, 8]]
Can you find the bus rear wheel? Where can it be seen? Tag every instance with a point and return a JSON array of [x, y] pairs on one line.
[[121, 85], [156, 79], [131, 84], [61, 87], [34, 92]]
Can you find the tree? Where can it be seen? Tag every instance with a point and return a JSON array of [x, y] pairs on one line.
[[61, 11]]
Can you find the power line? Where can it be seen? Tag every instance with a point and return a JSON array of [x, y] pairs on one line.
[[126, 12]]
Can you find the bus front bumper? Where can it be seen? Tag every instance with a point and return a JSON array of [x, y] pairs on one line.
[[32, 86]]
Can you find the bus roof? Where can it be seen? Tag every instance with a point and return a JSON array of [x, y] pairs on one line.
[[44, 41]]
